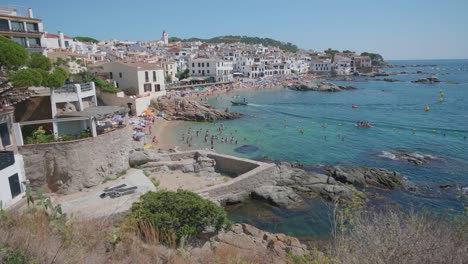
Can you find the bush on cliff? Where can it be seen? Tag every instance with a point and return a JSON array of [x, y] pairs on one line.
[[182, 213]]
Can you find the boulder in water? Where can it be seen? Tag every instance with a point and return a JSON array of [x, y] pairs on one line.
[[246, 149], [402, 156]]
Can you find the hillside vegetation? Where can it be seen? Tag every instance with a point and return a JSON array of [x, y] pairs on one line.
[[285, 46]]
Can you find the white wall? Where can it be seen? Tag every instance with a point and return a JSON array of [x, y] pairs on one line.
[[5, 193]]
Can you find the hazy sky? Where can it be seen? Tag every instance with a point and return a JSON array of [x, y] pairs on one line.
[[398, 29]]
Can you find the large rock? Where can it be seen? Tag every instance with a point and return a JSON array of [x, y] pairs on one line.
[[320, 87], [376, 177], [247, 241], [414, 158], [428, 80], [138, 158], [180, 108], [277, 195]]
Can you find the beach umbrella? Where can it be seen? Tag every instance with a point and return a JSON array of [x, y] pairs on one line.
[[118, 118]]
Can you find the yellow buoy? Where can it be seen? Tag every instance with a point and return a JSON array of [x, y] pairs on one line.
[[441, 100], [427, 108], [442, 94]]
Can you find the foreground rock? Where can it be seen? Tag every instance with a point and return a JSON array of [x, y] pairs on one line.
[[248, 241], [320, 87], [277, 195], [428, 80], [402, 156], [180, 108]]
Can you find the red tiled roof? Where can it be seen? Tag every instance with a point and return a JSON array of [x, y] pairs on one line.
[[56, 36]]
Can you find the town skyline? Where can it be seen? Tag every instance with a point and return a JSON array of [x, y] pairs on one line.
[[416, 30]]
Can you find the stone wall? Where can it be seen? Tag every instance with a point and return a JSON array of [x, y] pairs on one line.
[[68, 167]]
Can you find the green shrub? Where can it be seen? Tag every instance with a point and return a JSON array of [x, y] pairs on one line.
[[182, 213], [15, 257]]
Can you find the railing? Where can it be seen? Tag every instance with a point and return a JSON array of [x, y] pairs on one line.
[[67, 88], [7, 158], [86, 87]]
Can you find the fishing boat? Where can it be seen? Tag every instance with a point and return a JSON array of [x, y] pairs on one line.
[[239, 103]]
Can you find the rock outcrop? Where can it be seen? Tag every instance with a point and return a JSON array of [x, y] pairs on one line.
[[402, 156], [281, 196], [374, 177], [320, 87], [180, 108], [248, 240], [428, 80]]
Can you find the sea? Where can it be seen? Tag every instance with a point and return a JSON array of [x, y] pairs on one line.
[[272, 122]]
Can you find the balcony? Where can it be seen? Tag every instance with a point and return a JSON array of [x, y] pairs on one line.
[[7, 158]]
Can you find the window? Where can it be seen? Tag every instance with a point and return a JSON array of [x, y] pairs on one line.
[[67, 44], [203, 64], [146, 77], [193, 64], [117, 84], [199, 71], [21, 41], [34, 42], [15, 187], [207, 64], [17, 26], [4, 25], [120, 74], [208, 71], [157, 87], [111, 76], [198, 64], [5, 134], [32, 27], [154, 76], [147, 87], [193, 71]]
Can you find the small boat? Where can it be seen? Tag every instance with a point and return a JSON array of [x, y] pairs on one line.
[[355, 106], [364, 125], [239, 103]]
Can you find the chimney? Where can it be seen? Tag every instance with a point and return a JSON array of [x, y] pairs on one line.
[[61, 40], [30, 13]]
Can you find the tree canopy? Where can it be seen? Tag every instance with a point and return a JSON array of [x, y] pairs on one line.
[[39, 61], [12, 54], [86, 39], [27, 77], [331, 52], [376, 58], [285, 46]]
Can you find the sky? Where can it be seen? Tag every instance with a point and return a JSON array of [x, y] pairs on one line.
[[397, 29]]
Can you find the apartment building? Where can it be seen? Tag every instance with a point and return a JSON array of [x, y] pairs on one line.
[[23, 28], [218, 70]]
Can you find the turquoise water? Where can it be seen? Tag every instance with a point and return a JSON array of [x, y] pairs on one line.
[[273, 119]]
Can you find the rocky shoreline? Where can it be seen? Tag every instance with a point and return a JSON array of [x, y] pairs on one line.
[[320, 87], [181, 108]]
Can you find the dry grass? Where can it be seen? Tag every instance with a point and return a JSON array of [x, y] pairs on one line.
[[396, 237], [100, 241]]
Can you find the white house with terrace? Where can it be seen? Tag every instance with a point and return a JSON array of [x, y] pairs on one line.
[[138, 78]]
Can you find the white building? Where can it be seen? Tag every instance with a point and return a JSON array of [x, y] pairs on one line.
[[23, 28], [165, 38], [58, 41], [324, 66], [344, 66], [136, 77], [219, 70], [12, 176], [72, 98]]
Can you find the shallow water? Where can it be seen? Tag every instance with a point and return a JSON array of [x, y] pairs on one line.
[[273, 119]]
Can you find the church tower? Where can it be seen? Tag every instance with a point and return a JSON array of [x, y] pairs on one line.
[[165, 38]]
